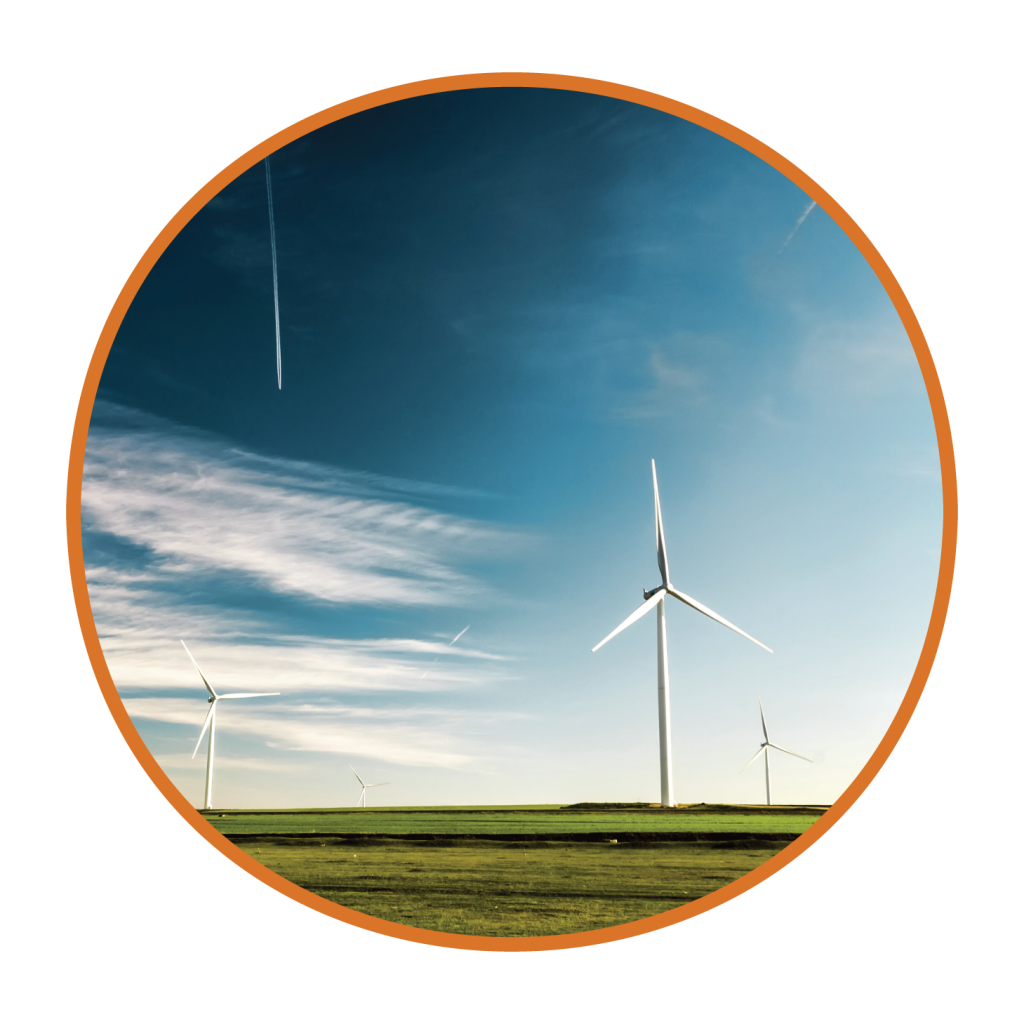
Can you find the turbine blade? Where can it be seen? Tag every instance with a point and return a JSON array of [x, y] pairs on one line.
[[209, 715], [641, 611], [793, 752], [461, 634], [239, 696], [213, 693], [714, 615], [752, 760], [372, 784], [659, 530], [356, 774], [764, 728]]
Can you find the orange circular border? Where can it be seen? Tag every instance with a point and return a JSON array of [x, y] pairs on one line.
[[491, 81]]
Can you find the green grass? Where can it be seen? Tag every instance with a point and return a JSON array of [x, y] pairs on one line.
[[505, 888], [527, 821]]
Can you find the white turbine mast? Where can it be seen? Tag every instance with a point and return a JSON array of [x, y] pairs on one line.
[[764, 750], [366, 785], [211, 723], [656, 598]]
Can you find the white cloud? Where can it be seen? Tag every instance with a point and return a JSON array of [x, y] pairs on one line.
[[185, 763], [197, 508], [155, 660], [293, 528], [421, 737], [674, 381], [855, 360]]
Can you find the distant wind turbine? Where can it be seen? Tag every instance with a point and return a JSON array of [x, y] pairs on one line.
[[211, 722], [764, 750], [273, 259], [434, 662], [654, 598], [366, 785]]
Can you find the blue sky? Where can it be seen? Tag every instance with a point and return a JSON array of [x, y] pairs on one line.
[[497, 306]]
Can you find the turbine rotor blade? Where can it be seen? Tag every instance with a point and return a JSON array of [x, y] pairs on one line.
[[793, 752], [356, 774], [372, 784], [752, 760], [764, 728], [461, 634], [240, 696], [209, 715], [639, 613], [697, 606], [213, 692], [659, 530]]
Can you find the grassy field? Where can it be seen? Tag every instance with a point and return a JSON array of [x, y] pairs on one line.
[[425, 822], [514, 870], [475, 887]]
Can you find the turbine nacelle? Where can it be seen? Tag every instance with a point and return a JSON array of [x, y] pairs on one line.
[[655, 596]]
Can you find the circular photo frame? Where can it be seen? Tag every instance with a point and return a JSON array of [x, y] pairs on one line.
[[674, 373]]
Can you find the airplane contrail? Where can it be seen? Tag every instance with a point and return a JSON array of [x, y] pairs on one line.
[[434, 662], [796, 227], [273, 256]]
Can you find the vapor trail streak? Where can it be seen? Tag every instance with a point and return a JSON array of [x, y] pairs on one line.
[[273, 255], [434, 662], [796, 227]]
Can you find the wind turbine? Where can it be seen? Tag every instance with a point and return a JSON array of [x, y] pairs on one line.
[[764, 750], [656, 598], [361, 802], [211, 722]]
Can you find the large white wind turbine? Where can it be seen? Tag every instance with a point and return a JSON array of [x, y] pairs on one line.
[[361, 802], [211, 723], [764, 750], [656, 598]]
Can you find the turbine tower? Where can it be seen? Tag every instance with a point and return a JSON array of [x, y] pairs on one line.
[[211, 722], [764, 750], [361, 802], [656, 598]]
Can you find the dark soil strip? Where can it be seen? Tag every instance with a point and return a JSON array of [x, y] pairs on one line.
[[722, 840], [332, 891]]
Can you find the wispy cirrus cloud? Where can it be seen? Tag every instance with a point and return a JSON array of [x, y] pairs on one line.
[[197, 504], [415, 736], [154, 660], [854, 360], [674, 378], [167, 509]]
